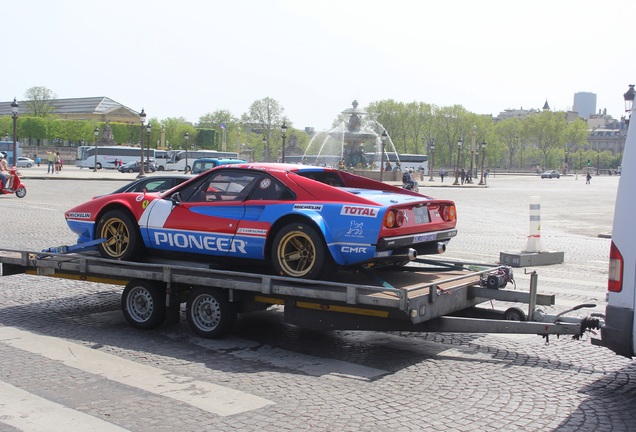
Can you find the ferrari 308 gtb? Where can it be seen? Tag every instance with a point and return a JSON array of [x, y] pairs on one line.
[[306, 221]]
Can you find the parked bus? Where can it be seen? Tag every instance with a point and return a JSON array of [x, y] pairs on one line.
[[109, 156], [177, 161], [6, 147]]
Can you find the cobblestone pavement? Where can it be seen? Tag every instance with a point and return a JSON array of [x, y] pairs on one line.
[[69, 361]]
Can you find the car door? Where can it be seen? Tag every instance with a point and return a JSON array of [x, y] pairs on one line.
[[202, 217]]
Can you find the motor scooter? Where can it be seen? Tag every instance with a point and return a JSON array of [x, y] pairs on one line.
[[14, 184]]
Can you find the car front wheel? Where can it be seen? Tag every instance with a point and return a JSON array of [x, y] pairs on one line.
[[121, 234], [298, 251]]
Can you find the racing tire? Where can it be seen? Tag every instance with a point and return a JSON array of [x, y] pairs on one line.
[[21, 192], [298, 251], [209, 312], [143, 304], [123, 240]]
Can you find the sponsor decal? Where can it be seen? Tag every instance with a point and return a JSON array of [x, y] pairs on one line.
[[253, 231], [353, 249], [79, 215], [138, 198], [314, 207], [359, 211], [201, 242], [355, 229], [383, 254], [144, 204], [265, 183]]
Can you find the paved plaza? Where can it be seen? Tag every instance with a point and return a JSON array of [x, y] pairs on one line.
[[70, 362]]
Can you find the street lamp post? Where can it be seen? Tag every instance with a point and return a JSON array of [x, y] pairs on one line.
[[96, 132], [186, 138], [473, 137], [629, 96], [148, 130], [383, 140], [14, 112], [283, 132], [598, 159], [459, 152], [142, 119], [482, 180], [265, 150], [430, 168]]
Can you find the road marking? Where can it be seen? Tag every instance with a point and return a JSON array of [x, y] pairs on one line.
[[209, 397], [30, 413]]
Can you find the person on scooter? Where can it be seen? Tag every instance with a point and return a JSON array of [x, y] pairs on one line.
[[408, 180], [4, 170]]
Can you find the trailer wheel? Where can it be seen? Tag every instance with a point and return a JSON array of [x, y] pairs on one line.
[[123, 241], [210, 314], [143, 304], [298, 251], [514, 314]]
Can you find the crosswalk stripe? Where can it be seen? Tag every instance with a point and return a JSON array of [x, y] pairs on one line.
[[31, 413], [209, 397]]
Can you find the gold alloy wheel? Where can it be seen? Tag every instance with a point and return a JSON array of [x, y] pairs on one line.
[[117, 237], [296, 254]]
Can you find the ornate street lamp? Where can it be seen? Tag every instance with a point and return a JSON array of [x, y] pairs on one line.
[[482, 181], [430, 168], [186, 138], [459, 152], [148, 130], [629, 102], [142, 119], [473, 138], [383, 138], [283, 132], [265, 149], [96, 132], [14, 111]]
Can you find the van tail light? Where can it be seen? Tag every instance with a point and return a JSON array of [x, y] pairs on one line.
[[615, 278], [448, 213]]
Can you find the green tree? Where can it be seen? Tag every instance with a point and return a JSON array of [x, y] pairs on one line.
[[546, 130], [575, 138], [509, 134], [267, 115], [38, 101]]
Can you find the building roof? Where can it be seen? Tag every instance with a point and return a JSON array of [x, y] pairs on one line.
[[89, 106]]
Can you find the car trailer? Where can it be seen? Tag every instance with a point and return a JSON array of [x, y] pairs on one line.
[[428, 295]]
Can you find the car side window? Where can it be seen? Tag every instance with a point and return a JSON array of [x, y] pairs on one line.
[[225, 186], [272, 190]]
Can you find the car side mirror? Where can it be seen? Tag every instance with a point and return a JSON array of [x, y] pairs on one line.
[[175, 198]]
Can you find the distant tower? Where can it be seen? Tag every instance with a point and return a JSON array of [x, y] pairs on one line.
[[546, 107], [585, 104]]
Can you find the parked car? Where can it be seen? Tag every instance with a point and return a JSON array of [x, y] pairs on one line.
[[204, 164], [133, 166], [550, 174], [304, 220], [25, 162], [154, 183]]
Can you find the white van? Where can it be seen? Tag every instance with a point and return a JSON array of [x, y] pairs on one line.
[[619, 331]]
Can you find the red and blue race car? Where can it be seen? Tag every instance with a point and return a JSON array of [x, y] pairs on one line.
[[306, 221]]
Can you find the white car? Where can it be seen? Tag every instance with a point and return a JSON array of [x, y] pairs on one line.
[[25, 162]]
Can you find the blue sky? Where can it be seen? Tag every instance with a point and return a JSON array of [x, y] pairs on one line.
[[189, 58]]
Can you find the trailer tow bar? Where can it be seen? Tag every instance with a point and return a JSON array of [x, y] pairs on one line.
[[64, 249]]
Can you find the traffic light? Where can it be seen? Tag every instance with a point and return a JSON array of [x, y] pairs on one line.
[[589, 163]]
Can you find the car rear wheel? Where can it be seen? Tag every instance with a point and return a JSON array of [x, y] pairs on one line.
[[123, 241], [298, 251]]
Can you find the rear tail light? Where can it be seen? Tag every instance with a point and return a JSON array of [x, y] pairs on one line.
[[448, 213], [615, 278], [394, 218]]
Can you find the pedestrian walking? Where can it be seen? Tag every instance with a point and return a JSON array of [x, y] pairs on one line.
[[58, 162], [462, 174], [38, 160], [442, 173], [588, 177]]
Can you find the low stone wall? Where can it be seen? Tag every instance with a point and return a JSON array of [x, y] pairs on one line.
[[375, 175]]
